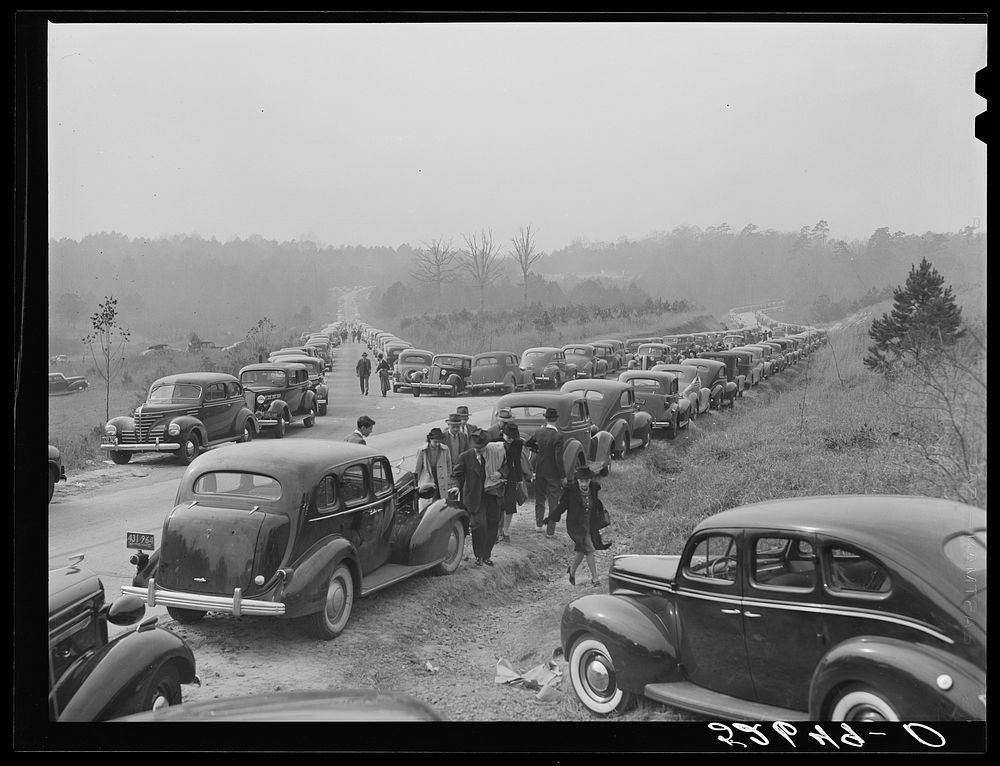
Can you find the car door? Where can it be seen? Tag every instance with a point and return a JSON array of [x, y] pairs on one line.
[[784, 623], [367, 513], [216, 411], [383, 492], [710, 613]]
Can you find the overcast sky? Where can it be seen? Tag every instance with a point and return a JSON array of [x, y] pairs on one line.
[[386, 134]]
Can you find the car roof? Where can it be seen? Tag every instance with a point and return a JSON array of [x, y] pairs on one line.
[[538, 398], [451, 353], [494, 353], [690, 369], [201, 378], [277, 364], [654, 374], [604, 385], [577, 345], [308, 361], [707, 362], [541, 348], [411, 350], [908, 530]]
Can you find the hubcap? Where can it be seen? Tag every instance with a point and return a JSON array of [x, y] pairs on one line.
[[598, 675], [335, 600], [160, 702], [865, 713]]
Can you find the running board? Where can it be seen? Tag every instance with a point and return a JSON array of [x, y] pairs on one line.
[[388, 574], [697, 699]]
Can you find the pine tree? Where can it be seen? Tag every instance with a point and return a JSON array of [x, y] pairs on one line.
[[924, 320]]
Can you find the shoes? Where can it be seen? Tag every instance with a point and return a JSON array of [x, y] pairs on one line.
[[572, 577], [488, 562], [595, 583], [479, 562], [550, 536], [539, 528], [505, 538]]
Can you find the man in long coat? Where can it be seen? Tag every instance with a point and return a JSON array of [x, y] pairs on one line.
[[364, 370], [475, 470], [550, 473]]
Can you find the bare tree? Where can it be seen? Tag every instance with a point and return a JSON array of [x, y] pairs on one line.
[[435, 265], [111, 338], [525, 255], [481, 261]]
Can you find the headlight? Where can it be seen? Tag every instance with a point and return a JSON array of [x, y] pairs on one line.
[[260, 398], [173, 429], [110, 430]]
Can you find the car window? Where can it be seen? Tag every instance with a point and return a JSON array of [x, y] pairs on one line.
[[486, 361], [783, 562], [627, 399], [353, 486], [531, 355], [855, 572], [713, 557], [645, 385], [381, 477], [234, 389], [70, 641], [326, 494], [215, 392], [237, 484], [580, 412], [180, 392]]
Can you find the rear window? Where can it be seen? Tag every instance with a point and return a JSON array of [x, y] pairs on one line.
[[535, 354], [414, 359], [487, 361], [644, 384], [238, 484]]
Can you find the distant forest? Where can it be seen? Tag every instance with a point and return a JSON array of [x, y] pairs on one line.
[[168, 288]]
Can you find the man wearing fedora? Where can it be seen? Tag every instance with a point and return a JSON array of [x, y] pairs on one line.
[[475, 476], [456, 441], [550, 475], [364, 370], [467, 428], [495, 432]]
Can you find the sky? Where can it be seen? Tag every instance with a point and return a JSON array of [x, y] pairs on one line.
[[385, 134]]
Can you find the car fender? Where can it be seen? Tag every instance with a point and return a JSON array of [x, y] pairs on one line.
[[188, 423], [641, 647], [706, 399], [308, 400], [305, 592], [276, 408], [573, 456], [600, 448], [642, 423], [908, 675], [322, 391], [122, 423], [110, 678], [619, 433], [730, 389], [456, 381], [429, 541], [571, 371]]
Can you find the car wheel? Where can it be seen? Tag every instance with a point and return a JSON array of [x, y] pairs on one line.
[[310, 420], [163, 689], [395, 389], [453, 391], [52, 486], [186, 616], [509, 385], [860, 703], [592, 674], [556, 381], [330, 621], [456, 549], [120, 458], [249, 432], [647, 438], [190, 447], [279, 428], [322, 409]]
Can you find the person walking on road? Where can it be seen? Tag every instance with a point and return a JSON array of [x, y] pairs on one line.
[[363, 431], [433, 468], [382, 368], [517, 469], [550, 474], [477, 478], [583, 509], [364, 370]]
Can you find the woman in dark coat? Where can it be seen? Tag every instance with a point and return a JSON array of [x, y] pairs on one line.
[[583, 509], [518, 469]]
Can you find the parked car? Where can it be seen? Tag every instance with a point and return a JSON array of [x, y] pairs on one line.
[[281, 394], [583, 442], [94, 679], [715, 378], [612, 352], [409, 368], [183, 414], [499, 371], [658, 393], [632, 346], [317, 378], [683, 345], [778, 358], [349, 705], [613, 408], [731, 360], [393, 349], [294, 351], [757, 367], [548, 365], [447, 374], [852, 608], [309, 527], [691, 385], [57, 471], [588, 364], [767, 357], [66, 384], [650, 354]]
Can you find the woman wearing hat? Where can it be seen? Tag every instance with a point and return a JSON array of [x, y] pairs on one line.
[[433, 467], [517, 469], [582, 506]]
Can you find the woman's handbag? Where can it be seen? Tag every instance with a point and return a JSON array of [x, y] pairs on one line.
[[521, 492], [603, 518]]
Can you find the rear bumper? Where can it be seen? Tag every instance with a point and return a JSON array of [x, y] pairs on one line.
[[427, 386], [236, 605], [484, 386]]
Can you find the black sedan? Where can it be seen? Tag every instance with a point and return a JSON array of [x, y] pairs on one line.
[[849, 607]]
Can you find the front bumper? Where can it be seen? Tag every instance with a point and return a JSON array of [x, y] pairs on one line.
[[484, 386], [152, 595], [113, 444]]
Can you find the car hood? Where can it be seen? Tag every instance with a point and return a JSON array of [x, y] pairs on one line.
[[206, 549], [653, 570]]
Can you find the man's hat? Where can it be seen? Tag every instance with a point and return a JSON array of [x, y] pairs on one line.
[[479, 439], [364, 353], [463, 411], [454, 419], [584, 472], [504, 413], [435, 433], [551, 413]]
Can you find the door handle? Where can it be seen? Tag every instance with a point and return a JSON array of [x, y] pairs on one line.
[[730, 611], [750, 614]]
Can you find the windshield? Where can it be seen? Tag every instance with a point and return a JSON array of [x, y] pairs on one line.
[[238, 484], [174, 392], [449, 361], [650, 351], [275, 378], [414, 359]]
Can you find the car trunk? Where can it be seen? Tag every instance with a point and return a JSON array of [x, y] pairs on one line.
[[644, 572], [214, 550]]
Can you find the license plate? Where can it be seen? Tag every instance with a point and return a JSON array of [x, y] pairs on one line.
[[107, 440], [139, 541]]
